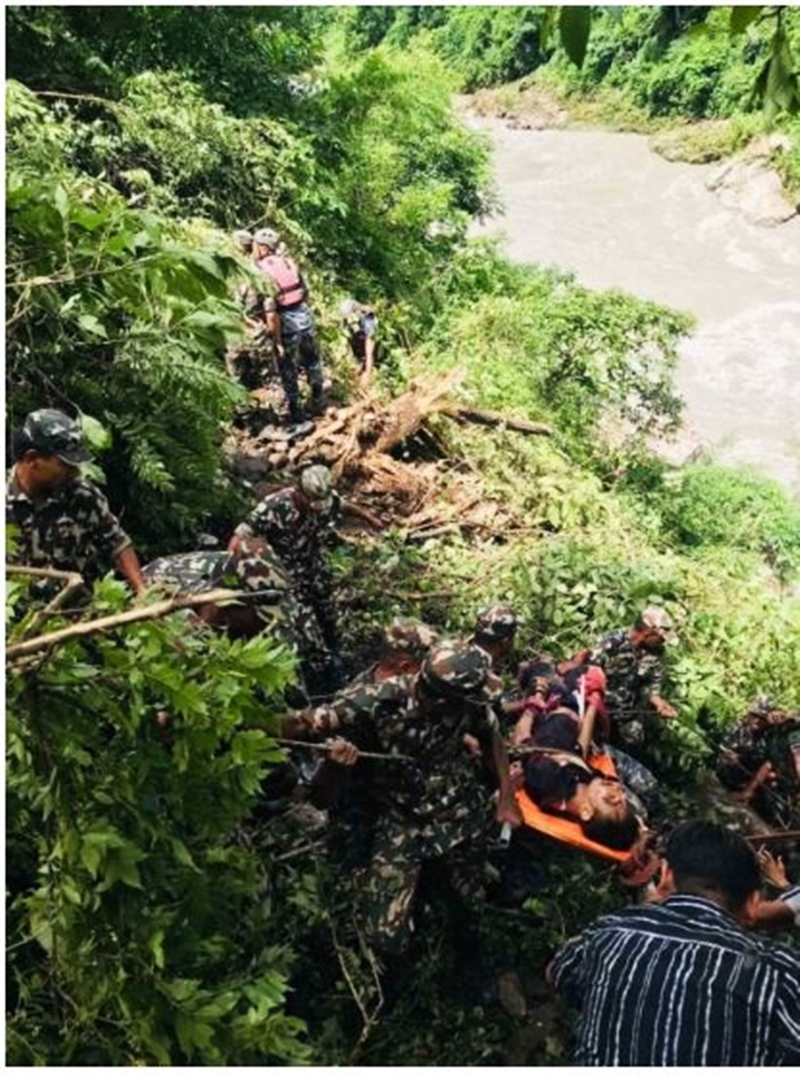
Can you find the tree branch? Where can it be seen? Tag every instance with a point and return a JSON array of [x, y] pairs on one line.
[[134, 615]]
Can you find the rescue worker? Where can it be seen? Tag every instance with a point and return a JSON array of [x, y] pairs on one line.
[[759, 760], [290, 323], [250, 361], [495, 631], [297, 522], [269, 603], [633, 663], [431, 808], [360, 325], [63, 520]]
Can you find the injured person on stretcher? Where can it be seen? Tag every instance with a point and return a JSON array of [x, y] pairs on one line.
[[571, 786]]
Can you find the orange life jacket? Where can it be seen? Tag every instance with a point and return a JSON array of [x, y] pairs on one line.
[[563, 828], [286, 276]]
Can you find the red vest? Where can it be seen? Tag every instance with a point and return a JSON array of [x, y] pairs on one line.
[[286, 276]]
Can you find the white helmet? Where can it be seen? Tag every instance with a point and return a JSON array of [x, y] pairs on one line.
[[266, 237], [348, 308]]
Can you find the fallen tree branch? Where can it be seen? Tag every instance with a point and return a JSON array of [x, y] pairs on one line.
[[73, 582], [120, 619], [41, 572], [460, 413]]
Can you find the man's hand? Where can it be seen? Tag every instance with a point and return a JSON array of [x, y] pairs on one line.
[[772, 869], [508, 812], [343, 752], [664, 709]]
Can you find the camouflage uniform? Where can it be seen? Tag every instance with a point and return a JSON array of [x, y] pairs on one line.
[[72, 530], [634, 676], [751, 743], [297, 534], [495, 624], [274, 605], [432, 807]]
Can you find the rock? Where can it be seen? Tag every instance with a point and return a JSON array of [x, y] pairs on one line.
[[750, 185]]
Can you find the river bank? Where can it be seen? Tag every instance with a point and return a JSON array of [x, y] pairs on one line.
[[748, 179]]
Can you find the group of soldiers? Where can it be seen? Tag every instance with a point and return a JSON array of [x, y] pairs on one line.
[[280, 326], [427, 755], [275, 562]]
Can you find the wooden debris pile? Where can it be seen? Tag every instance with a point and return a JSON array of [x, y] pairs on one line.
[[356, 441]]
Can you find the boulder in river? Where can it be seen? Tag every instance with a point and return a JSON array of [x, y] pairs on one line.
[[750, 184]]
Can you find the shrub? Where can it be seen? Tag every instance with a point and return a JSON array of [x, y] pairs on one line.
[[715, 505]]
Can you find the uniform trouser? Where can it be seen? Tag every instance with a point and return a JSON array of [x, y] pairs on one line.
[[315, 590], [390, 881], [300, 350]]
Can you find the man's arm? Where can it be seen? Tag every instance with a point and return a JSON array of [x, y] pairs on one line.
[[127, 563], [566, 972], [507, 809]]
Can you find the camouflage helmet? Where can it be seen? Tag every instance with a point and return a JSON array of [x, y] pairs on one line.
[[52, 432], [266, 237], [658, 619], [243, 239], [456, 670], [410, 636], [317, 484], [761, 706], [495, 624]]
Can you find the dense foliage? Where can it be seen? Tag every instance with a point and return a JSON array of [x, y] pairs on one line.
[[154, 916]]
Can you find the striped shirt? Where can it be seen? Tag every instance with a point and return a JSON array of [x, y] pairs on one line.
[[679, 983]]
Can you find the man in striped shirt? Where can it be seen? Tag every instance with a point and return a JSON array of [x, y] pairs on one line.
[[679, 982]]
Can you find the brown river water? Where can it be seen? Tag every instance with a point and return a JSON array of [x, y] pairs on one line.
[[603, 206]]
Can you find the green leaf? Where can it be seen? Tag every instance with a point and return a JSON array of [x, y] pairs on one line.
[[61, 201], [574, 25], [91, 324], [98, 436], [741, 17]]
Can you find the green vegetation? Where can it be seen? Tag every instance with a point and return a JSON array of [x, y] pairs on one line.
[[153, 918], [633, 68]]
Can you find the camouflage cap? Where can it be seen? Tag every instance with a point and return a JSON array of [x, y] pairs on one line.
[[761, 706], [457, 670], [496, 623], [657, 618], [55, 433], [243, 238], [317, 484], [410, 636]]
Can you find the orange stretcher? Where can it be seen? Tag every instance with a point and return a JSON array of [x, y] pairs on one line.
[[564, 829]]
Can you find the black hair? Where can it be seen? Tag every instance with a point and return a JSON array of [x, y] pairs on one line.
[[706, 857], [531, 670], [619, 835]]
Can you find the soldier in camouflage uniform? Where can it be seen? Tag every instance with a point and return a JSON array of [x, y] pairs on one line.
[[348, 793], [495, 631], [270, 605], [297, 522], [431, 807], [250, 362], [633, 663], [759, 761], [63, 520]]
